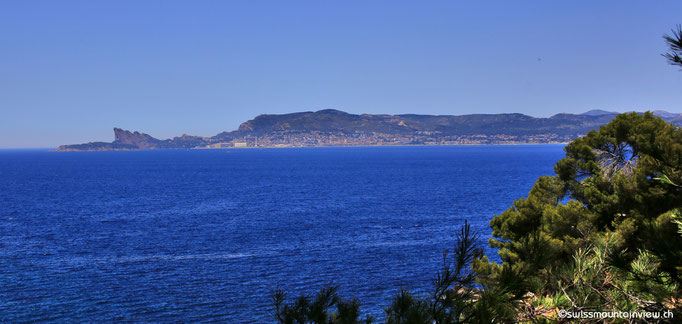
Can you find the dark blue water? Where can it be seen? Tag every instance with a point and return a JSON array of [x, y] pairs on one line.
[[208, 235]]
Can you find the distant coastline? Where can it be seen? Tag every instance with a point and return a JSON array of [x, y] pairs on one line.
[[334, 128], [311, 146], [384, 145]]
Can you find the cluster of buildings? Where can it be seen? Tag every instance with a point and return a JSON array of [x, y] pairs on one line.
[[320, 138]]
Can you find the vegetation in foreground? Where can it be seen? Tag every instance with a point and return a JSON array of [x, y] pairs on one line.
[[603, 234]]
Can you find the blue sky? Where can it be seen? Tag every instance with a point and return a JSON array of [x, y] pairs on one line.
[[73, 70]]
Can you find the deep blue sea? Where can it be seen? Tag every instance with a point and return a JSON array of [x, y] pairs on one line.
[[207, 235]]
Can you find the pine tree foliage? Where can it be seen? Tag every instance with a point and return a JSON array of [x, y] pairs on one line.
[[607, 182], [318, 309], [674, 41]]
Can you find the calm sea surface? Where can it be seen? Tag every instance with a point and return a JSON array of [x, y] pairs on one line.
[[207, 235]]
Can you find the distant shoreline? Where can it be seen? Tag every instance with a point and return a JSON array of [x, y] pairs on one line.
[[290, 147], [334, 128]]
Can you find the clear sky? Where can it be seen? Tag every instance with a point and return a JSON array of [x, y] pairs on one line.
[[70, 71]]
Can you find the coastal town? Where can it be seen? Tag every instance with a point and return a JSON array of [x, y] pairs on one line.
[[319, 138]]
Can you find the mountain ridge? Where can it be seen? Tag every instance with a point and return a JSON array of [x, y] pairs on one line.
[[330, 127]]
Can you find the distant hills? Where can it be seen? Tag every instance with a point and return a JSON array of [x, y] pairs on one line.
[[598, 112], [337, 128]]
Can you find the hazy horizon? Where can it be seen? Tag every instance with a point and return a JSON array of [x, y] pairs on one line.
[[228, 130], [73, 70]]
